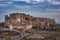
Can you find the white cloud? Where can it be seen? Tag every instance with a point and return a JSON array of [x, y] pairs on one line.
[[22, 7], [39, 0], [23, 0], [54, 2], [31, 1], [2, 5], [9, 2], [53, 10], [5, 5]]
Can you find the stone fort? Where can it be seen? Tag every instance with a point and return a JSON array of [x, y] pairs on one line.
[[23, 21]]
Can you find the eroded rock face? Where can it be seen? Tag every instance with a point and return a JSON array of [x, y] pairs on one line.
[[23, 21]]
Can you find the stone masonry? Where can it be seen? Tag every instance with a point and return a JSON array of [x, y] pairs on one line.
[[23, 21]]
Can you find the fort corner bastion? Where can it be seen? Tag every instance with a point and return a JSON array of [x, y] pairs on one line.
[[23, 21]]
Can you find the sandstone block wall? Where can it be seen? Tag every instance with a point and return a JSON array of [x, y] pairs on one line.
[[21, 20]]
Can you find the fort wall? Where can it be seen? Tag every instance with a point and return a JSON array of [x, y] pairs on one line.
[[21, 20]]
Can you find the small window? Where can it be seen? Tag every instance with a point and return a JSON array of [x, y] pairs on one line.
[[27, 18], [6, 26]]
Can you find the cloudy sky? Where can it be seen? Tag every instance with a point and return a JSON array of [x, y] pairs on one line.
[[39, 8]]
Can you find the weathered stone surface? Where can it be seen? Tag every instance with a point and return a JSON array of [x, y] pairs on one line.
[[23, 21]]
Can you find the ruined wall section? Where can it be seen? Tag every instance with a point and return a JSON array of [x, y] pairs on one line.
[[2, 25], [18, 21], [44, 22], [22, 20]]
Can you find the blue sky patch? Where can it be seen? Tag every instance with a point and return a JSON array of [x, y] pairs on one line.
[[39, 8]]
